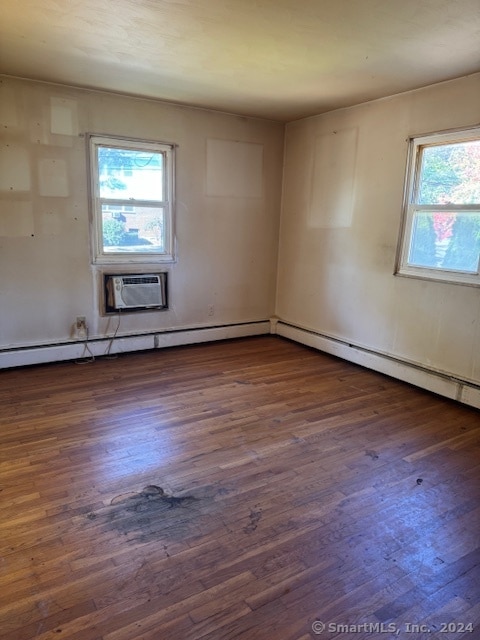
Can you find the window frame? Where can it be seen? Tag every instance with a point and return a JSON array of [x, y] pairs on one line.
[[99, 255], [411, 207]]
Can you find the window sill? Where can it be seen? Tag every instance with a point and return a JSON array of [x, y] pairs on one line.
[[433, 276]]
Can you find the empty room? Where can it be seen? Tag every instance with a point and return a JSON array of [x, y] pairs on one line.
[[239, 319]]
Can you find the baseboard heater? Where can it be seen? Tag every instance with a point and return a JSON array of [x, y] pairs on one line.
[[98, 346], [442, 383]]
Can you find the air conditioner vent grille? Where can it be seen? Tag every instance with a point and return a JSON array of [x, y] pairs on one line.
[[140, 279], [135, 292]]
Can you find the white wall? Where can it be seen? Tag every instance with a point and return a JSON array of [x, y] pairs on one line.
[[342, 197], [227, 243], [343, 189]]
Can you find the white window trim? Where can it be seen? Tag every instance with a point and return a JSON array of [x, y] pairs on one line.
[[99, 256], [403, 268]]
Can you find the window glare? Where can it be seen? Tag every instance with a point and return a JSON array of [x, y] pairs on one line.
[[130, 174]]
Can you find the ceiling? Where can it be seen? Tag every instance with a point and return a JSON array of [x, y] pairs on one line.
[[277, 59]]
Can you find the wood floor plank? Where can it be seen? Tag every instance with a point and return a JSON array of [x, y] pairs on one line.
[[239, 490]]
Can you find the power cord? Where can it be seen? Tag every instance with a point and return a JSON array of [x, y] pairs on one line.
[[86, 349], [87, 359], [107, 354]]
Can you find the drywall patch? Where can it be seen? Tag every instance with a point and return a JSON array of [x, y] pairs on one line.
[[14, 168], [39, 124], [16, 219], [8, 108], [52, 177], [51, 221], [64, 116], [333, 179], [234, 169]]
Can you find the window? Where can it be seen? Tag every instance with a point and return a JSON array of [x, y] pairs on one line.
[[441, 223], [132, 185]]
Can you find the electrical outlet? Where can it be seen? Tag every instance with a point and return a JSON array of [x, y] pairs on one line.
[[211, 310], [80, 329]]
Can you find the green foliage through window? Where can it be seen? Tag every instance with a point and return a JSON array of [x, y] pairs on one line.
[[442, 212]]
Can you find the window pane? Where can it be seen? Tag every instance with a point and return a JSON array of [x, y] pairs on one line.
[[446, 240], [139, 230], [130, 173], [450, 174]]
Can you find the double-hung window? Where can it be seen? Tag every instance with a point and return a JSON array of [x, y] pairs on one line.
[[440, 236], [132, 192]]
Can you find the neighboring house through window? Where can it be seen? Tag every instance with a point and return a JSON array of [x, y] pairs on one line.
[[441, 223], [132, 191]]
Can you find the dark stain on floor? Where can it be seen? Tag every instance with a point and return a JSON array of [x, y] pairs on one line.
[[153, 494], [149, 514], [255, 516]]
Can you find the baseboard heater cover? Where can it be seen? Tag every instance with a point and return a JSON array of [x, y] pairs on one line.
[[430, 380], [42, 354]]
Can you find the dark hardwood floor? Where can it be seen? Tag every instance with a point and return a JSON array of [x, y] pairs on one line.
[[236, 490]]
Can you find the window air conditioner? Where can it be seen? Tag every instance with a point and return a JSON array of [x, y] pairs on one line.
[[142, 291]]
